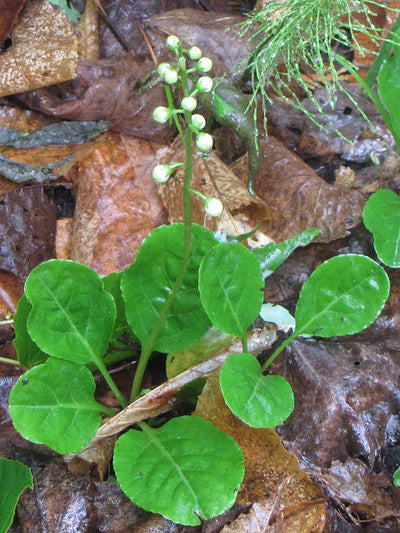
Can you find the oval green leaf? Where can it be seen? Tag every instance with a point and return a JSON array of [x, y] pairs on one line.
[[343, 296], [29, 353], [381, 217], [185, 470], [15, 477], [230, 283], [389, 85], [147, 284], [72, 315], [259, 401], [54, 404]]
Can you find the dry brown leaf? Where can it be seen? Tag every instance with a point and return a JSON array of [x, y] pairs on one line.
[[117, 204], [11, 290], [64, 234], [299, 199], [44, 50], [8, 16], [273, 478], [88, 29]]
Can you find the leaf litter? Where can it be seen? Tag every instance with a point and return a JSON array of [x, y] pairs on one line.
[[351, 453]]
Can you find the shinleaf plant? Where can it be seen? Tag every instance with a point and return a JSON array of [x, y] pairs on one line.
[[183, 282]]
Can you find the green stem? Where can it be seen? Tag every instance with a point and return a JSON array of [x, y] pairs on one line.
[[110, 382], [5, 322], [106, 410], [10, 361], [280, 349], [385, 115], [170, 100]]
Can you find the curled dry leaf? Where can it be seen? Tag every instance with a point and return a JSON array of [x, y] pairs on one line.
[[273, 480], [44, 50], [117, 204], [161, 399], [299, 199]]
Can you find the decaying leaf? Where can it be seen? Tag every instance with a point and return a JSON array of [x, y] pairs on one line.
[[299, 199], [43, 52], [27, 227], [8, 15], [117, 204], [273, 480]]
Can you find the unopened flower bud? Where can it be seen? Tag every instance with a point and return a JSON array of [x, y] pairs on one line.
[[204, 142], [189, 103], [204, 84], [161, 173], [195, 53], [198, 121], [163, 67], [173, 42], [204, 64], [213, 207], [170, 76], [162, 114]]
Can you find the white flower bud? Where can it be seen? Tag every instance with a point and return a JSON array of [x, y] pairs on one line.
[[173, 42], [189, 103], [204, 142], [195, 53], [170, 76], [213, 207], [163, 67], [198, 121], [162, 114], [204, 64], [161, 173], [204, 84]]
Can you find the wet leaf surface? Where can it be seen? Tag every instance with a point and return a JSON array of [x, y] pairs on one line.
[[27, 226], [9, 14]]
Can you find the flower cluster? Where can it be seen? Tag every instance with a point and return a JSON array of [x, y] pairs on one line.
[[172, 75]]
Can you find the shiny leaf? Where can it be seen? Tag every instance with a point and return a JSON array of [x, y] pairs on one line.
[[185, 470], [15, 477], [29, 353], [260, 401]]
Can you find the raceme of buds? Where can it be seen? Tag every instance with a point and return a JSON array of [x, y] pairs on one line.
[[195, 53], [189, 103], [204, 64], [173, 42], [204, 142], [213, 207], [162, 114], [198, 122], [204, 84]]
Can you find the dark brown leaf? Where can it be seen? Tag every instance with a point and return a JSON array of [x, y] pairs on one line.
[[9, 10]]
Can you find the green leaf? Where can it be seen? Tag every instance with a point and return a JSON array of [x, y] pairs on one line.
[[276, 314], [260, 401], [381, 217], [396, 477], [15, 477], [147, 284], [343, 296], [389, 85], [54, 404], [230, 283], [72, 315], [29, 353], [273, 255], [112, 284], [72, 13], [185, 470]]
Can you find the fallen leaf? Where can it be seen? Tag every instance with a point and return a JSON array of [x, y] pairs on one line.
[[8, 16], [117, 204], [43, 51], [27, 226], [298, 199]]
